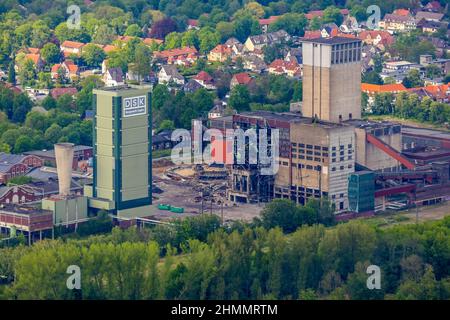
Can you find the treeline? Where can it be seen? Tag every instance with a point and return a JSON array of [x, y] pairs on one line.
[[267, 92], [408, 106], [240, 262]]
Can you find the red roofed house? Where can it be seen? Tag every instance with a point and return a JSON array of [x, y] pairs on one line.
[[107, 47], [373, 89], [440, 93], [220, 53], [71, 70], [57, 92], [282, 67], [240, 79], [37, 60], [151, 41], [265, 23], [402, 12], [34, 50], [312, 34], [192, 24], [433, 6], [180, 56], [396, 22], [71, 47], [377, 38], [205, 80], [125, 38]]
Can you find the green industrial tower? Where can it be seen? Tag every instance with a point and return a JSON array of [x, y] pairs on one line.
[[122, 151]]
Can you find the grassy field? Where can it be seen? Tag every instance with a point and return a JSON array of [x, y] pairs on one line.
[[427, 213], [161, 153], [408, 122]]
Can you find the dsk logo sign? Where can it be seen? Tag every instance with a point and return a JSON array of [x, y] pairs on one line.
[[134, 106]]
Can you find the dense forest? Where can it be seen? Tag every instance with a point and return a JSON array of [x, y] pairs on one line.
[[198, 259]]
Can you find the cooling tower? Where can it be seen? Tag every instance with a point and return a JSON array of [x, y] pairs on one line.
[[64, 160]]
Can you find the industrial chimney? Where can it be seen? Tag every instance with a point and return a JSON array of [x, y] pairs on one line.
[[64, 160]]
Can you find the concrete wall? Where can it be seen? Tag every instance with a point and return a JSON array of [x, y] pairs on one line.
[[373, 158], [317, 173], [331, 92]]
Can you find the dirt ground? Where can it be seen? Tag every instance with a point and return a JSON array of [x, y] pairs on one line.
[[428, 213], [186, 193]]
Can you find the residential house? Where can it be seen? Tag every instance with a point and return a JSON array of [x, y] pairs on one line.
[[205, 80], [433, 6], [107, 47], [191, 86], [37, 60], [329, 30], [294, 55], [373, 89], [349, 25], [162, 140], [241, 78], [70, 70], [57, 92], [179, 56], [231, 42], [312, 34], [220, 53], [113, 77], [192, 24], [217, 111], [402, 12], [169, 73], [397, 23], [131, 75], [429, 26], [378, 38], [265, 23], [444, 64], [267, 39], [439, 93], [282, 67], [429, 16], [254, 63], [72, 47], [152, 41]]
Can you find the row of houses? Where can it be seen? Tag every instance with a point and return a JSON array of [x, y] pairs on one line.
[[439, 93], [402, 20]]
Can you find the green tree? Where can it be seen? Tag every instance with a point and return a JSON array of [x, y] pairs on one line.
[[246, 26], [372, 77], [12, 74], [50, 53], [53, 133], [166, 125], [37, 120], [240, 98], [292, 23], [433, 71], [133, 30], [332, 15], [93, 55], [104, 34], [413, 79], [27, 73], [23, 144]]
